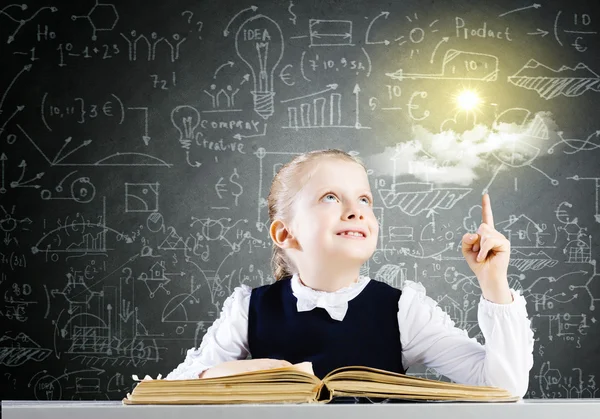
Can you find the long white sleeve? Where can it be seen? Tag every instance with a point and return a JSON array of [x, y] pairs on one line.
[[225, 340], [429, 337]]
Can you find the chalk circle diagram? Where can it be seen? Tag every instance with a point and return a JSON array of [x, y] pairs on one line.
[[523, 149], [521, 152], [47, 387]]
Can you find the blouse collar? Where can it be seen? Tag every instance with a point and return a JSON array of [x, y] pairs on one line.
[[335, 302]]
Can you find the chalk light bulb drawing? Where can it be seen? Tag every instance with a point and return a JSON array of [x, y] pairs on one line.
[[186, 119], [259, 43]]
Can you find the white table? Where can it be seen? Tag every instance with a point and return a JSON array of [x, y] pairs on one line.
[[524, 409]]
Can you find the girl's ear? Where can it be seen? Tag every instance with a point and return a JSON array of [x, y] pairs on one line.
[[281, 235]]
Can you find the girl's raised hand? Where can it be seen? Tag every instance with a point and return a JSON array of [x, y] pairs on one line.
[[487, 251]]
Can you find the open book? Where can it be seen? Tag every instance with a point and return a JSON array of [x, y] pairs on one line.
[[298, 384]]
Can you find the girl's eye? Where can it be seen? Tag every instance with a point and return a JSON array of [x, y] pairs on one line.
[[366, 199]]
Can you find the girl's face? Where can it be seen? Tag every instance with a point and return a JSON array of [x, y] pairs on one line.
[[335, 198]]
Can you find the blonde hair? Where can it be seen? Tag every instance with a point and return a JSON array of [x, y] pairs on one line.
[[288, 181]]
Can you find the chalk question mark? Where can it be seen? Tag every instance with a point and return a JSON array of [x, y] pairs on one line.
[[190, 16]]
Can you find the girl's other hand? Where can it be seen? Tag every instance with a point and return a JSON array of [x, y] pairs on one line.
[[243, 365]]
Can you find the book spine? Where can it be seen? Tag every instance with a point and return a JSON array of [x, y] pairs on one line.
[[323, 394]]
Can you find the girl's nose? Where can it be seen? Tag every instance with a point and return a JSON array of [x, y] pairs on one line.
[[353, 212]]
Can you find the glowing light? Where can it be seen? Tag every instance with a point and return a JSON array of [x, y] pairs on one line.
[[468, 100]]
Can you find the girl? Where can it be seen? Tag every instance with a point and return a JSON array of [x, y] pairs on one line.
[[320, 309]]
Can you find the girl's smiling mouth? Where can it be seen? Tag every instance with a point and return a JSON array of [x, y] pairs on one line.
[[352, 235]]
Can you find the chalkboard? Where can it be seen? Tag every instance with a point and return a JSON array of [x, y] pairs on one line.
[[139, 139]]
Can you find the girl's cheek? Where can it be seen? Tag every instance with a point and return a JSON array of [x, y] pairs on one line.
[[376, 226]]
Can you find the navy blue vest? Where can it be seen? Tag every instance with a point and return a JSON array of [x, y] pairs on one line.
[[367, 336]]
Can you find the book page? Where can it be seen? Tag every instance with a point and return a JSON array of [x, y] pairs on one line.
[[360, 380], [296, 383]]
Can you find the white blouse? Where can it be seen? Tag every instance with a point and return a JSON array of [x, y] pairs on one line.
[[427, 335]]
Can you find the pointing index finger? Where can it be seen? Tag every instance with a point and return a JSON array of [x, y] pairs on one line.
[[486, 210]]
